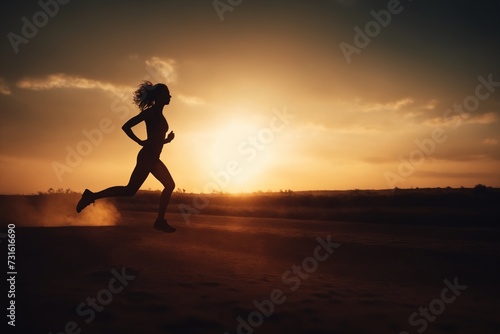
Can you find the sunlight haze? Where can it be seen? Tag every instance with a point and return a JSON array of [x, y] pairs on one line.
[[264, 99]]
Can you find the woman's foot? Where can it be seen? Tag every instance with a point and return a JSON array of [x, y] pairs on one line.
[[87, 198], [162, 225]]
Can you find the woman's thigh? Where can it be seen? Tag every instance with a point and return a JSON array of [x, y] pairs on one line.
[[146, 161], [160, 171]]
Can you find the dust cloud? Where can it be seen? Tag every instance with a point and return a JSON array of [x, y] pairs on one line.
[[55, 210]]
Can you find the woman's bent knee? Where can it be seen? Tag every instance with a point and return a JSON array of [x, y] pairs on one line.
[[170, 187], [130, 191]]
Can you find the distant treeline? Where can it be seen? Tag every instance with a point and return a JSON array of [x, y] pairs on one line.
[[434, 206], [478, 206]]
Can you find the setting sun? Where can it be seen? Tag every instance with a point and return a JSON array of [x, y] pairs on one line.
[[239, 152]]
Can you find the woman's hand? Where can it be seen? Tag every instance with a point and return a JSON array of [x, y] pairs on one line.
[[170, 137]]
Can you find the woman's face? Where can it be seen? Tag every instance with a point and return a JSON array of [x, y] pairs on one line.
[[165, 96]]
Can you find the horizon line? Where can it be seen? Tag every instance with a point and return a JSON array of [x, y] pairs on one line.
[[284, 191]]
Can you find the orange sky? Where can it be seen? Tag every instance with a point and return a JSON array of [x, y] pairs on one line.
[[262, 100]]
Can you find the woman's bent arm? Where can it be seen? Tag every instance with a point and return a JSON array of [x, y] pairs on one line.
[[127, 127]]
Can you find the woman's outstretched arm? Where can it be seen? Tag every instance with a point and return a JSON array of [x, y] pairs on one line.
[[127, 127]]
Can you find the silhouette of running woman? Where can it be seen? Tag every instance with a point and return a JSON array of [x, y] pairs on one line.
[[150, 99]]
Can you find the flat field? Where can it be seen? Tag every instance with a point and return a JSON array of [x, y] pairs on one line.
[[244, 274]]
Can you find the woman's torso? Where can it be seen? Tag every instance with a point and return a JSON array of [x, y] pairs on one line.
[[156, 128]]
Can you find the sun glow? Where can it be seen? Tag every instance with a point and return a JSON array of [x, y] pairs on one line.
[[239, 154]]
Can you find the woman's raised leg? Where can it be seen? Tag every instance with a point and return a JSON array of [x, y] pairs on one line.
[[139, 175]]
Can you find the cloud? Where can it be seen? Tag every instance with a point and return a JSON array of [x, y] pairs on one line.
[[4, 87], [490, 141], [431, 105], [382, 159], [483, 119], [440, 121], [191, 100], [362, 117], [62, 80], [455, 175], [487, 118], [158, 69], [394, 105], [162, 70]]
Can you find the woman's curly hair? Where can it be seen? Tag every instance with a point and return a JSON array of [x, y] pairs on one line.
[[146, 94]]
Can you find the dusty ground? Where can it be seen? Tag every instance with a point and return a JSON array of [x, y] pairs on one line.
[[205, 276]]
